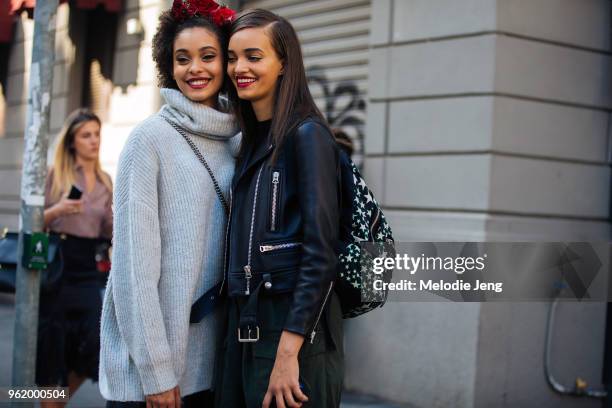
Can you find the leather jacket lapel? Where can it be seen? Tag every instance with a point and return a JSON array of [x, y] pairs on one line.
[[244, 168]]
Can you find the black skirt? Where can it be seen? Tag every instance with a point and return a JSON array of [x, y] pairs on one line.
[[69, 319]]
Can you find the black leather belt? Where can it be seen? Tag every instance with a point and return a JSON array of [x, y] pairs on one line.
[[248, 329]]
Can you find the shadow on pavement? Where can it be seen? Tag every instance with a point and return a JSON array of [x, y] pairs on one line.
[[88, 396]]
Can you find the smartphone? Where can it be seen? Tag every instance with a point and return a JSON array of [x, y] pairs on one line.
[[75, 193]]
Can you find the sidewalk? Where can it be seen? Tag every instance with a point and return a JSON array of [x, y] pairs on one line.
[[88, 395]]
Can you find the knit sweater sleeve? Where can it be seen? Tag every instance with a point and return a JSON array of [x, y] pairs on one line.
[[137, 263]]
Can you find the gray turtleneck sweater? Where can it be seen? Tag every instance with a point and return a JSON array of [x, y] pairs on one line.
[[167, 251]]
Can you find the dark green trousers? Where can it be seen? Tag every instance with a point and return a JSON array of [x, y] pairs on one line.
[[243, 369]]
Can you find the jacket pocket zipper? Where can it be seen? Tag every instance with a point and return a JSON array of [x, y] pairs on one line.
[[247, 268], [276, 247], [273, 210], [314, 328]]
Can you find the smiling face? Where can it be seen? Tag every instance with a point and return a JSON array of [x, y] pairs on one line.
[[86, 142], [198, 65], [254, 67]]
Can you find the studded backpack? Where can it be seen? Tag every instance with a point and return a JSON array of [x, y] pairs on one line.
[[364, 235]]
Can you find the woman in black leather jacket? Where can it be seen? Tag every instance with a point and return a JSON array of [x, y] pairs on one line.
[[284, 337]]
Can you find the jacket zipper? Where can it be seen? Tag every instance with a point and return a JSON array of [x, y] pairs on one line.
[[247, 268], [276, 247], [314, 328], [275, 185], [227, 228]]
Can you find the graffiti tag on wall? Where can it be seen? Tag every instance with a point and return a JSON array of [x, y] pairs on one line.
[[343, 106]]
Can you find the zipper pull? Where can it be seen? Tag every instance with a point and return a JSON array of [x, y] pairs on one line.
[[248, 275], [316, 323], [275, 177]]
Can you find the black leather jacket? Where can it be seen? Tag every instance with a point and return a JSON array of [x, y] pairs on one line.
[[284, 224]]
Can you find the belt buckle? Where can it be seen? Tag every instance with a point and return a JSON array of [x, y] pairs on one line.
[[249, 338]]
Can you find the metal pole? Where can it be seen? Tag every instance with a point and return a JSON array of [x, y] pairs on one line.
[[34, 172]]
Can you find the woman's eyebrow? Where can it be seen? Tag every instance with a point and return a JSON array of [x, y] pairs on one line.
[[208, 47], [246, 50]]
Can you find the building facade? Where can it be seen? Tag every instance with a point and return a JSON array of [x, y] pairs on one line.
[[473, 120]]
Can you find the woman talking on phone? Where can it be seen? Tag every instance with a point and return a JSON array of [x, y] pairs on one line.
[[283, 345], [78, 199]]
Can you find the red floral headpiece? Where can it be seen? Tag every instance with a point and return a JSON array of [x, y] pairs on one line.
[[185, 9]]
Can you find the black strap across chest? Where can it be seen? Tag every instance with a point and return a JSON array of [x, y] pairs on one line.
[[209, 300], [203, 161]]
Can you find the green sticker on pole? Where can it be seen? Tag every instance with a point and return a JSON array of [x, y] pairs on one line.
[[35, 250]]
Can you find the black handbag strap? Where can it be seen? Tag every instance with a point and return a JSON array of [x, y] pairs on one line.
[[209, 300], [203, 161], [205, 304]]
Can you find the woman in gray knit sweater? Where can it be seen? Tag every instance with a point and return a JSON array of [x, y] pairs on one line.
[[170, 223]]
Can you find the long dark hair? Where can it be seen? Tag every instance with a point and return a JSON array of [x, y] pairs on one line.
[[293, 101]]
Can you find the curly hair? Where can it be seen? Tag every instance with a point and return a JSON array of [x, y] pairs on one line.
[[163, 45]]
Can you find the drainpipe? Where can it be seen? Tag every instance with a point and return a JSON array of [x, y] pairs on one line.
[[607, 367], [580, 387]]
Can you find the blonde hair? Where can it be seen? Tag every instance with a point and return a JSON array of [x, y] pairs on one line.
[[65, 156]]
